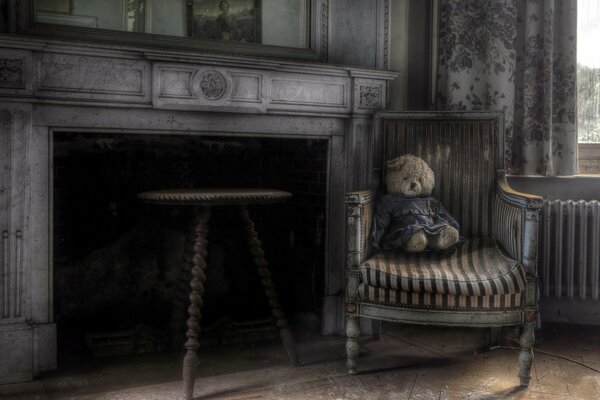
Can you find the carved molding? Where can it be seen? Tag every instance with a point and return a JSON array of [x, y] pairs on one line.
[[15, 127], [370, 96], [202, 87], [292, 91], [11, 73], [324, 30], [247, 87], [93, 78], [20, 16], [206, 82], [212, 85], [5, 203], [176, 83], [185, 86], [386, 33], [15, 72], [383, 33], [101, 73]]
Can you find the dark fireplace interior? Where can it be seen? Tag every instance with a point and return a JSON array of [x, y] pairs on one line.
[[120, 285]]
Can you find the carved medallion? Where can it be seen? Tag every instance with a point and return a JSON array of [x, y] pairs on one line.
[[212, 85], [370, 96], [11, 72]]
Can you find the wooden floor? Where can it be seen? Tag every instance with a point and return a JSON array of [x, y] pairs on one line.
[[407, 363]]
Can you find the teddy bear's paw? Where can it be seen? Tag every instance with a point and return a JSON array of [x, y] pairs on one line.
[[417, 242], [446, 238]]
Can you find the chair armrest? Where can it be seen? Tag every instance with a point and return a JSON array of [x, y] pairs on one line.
[[516, 218], [515, 198], [359, 217], [360, 197]]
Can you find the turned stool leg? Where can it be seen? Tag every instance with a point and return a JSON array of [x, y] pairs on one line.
[[190, 361], [265, 277], [182, 286]]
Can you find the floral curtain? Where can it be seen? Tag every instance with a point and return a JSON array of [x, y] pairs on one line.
[[518, 56]]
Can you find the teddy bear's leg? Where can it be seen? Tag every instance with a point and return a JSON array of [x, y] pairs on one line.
[[446, 238], [417, 242]]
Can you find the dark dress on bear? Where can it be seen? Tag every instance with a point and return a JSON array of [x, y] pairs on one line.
[[398, 217]]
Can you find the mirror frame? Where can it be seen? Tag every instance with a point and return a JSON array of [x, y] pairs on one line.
[[22, 21], [434, 53]]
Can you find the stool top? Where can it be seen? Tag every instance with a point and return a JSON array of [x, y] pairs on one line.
[[214, 196]]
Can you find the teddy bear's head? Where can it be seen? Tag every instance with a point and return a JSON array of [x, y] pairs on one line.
[[410, 176]]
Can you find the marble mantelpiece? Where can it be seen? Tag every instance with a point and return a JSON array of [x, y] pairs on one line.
[[50, 85]]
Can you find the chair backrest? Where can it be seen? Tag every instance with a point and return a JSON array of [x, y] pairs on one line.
[[464, 151]]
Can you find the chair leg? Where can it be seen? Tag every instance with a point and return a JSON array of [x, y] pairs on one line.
[[526, 354], [352, 343]]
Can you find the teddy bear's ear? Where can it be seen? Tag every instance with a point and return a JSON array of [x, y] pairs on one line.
[[398, 162]]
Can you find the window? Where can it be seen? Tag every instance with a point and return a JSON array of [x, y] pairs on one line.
[[588, 85]]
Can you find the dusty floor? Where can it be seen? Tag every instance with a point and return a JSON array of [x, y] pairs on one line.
[[407, 363]]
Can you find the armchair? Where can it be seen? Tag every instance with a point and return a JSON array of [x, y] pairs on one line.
[[491, 280]]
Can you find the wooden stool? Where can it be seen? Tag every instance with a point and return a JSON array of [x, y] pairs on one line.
[[204, 199]]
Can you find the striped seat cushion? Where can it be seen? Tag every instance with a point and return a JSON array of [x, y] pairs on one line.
[[477, 268], [391, 297]]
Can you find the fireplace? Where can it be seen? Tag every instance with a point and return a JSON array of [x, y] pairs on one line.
[[151, 128], [120, 287]]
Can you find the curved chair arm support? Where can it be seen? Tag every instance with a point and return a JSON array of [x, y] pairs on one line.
[[360, 197], [516, 220], [516, 228], [515, 198], [359, 216]]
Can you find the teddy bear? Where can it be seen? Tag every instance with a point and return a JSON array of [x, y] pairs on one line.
[[407, 217]]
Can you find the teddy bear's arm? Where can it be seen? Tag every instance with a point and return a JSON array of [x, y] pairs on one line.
[[445, 215], [381, 221]]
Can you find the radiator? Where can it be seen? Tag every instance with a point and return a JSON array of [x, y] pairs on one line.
[[570, 249]]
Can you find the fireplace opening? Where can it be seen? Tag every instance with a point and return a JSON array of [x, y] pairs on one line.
[[120, 284]]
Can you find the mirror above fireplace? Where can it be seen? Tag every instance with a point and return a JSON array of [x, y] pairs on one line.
[[289, 29]]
